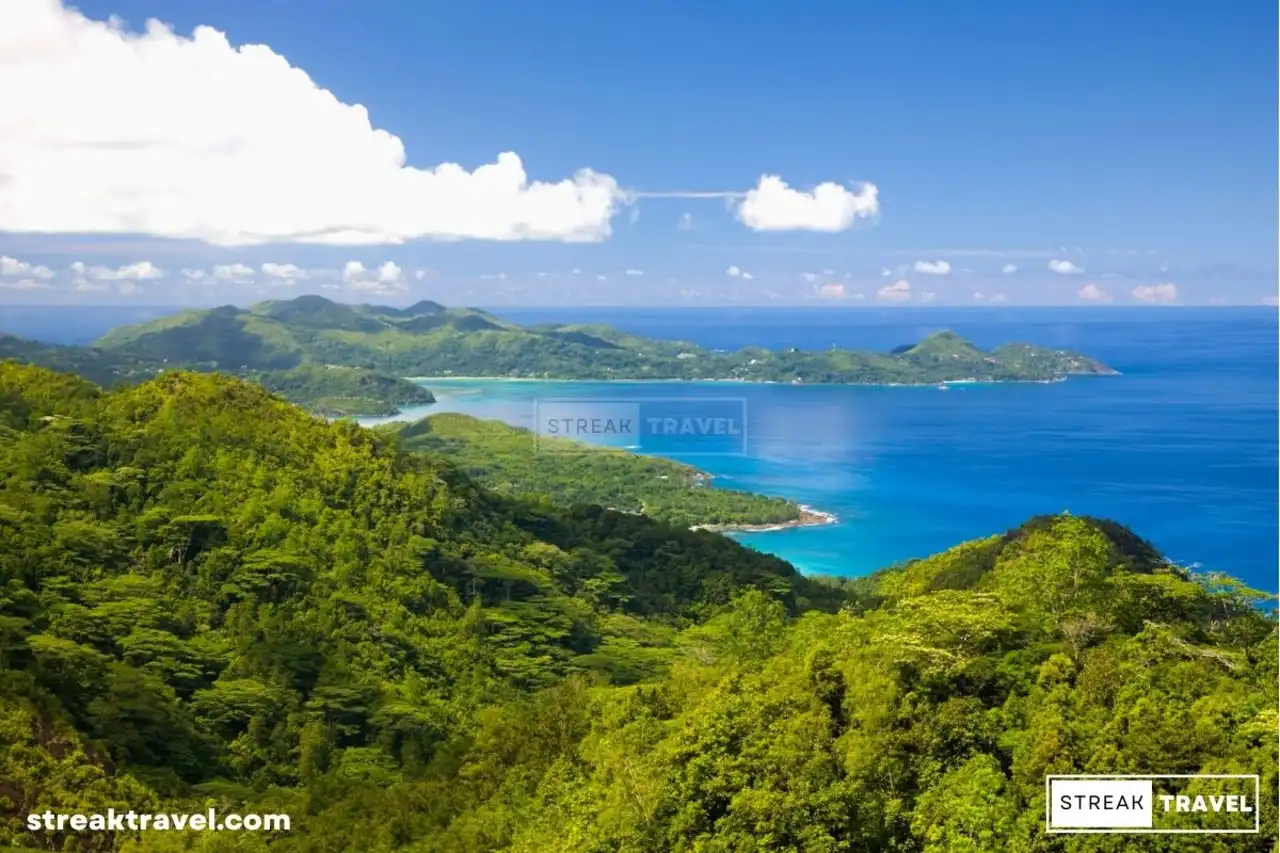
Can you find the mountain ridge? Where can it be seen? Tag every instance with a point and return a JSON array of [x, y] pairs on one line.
[[428, 339]]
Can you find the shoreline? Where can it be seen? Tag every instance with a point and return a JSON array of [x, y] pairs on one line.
[[929, 384], [809, 517]]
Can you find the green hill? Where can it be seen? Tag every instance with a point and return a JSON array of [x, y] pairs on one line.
[[429, 340], [329, 390], [504, 458], [209, 599]]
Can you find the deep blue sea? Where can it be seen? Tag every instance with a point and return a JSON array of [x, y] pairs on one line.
[[1182, 447]]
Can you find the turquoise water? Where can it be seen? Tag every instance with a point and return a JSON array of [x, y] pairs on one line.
[[1182, 447]]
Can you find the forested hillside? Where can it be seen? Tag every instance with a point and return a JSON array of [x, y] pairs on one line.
[[427, 339], [211, 598]]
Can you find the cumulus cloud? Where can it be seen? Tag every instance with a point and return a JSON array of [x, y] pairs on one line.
[[1064, 267], [899, 291], [1155, 292], [288, 273], [12, 267], [831, 291], [885, 272], [1093, 293], [386, 279], [139, 271], [236, 273], [933, 267], [191, 137], [1009, 269], [685, 222], [927, 296], [634, 272], [389, 273], [733, 271], [774, 206], [809, 276]]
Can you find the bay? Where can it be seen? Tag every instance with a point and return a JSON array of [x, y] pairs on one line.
[[1182, 447]]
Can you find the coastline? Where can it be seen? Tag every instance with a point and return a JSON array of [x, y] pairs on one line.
[[929, 384], [809, 517]]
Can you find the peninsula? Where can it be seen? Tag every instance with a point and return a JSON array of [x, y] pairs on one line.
[[504, 458]]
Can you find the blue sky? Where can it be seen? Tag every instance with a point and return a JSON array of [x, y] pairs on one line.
[[1132, 146]]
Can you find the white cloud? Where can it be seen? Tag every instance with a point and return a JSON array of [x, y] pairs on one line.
[[161, 134], [634, 272], [389, 273], [899, 291], [979, 296], [746, 276], [139, 271], [233, 272], [602, 278], [809, 276], [774, 206], [927, 296], [831, 291], [828, 272], [1155, 292], [188, 274], [999, 297], [1093, 293], [576, 271], [353, 271], [685, 222], [1009, 269], [1064, 267], [536, 275], [885, 272], [733, 271], [1269, 300], [387, 278], [14, 267], [283, 272], [933, 267]]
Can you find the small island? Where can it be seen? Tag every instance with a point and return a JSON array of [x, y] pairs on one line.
[[505, 459]]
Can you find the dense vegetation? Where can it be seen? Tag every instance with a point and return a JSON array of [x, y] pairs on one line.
[[335, 391], [506, 459], [330, 390], [208, 597], [427, 339]]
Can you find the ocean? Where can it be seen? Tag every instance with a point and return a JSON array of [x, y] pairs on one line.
[[1182, 447]]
